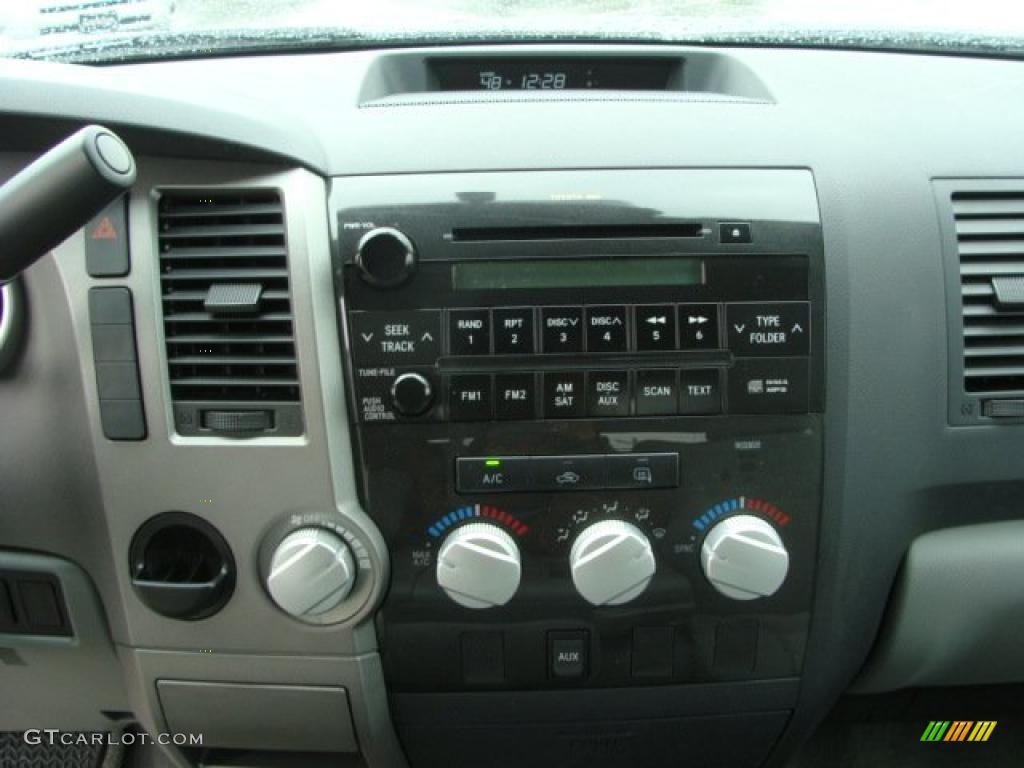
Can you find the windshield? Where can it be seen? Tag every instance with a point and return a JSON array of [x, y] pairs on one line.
[[111, 30]]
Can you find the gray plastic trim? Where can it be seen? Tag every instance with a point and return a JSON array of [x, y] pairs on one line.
[[40, 668], [957, 616]]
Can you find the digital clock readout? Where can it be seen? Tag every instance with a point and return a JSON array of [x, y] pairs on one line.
[[566, 74]]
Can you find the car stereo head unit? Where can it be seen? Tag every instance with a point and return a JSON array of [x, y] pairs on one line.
[[588, 409]]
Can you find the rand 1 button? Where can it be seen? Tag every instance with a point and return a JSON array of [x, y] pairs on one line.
[[564, 396], [768, 329], [513, 331], [492, 474], [606, 329], [642, 470], [700, 392], [567, 473], [769, 385], [657, 392], [608, 393], [515, 396], [698, 326], [469, 331], [562, 329], [400, 338], [655, 327], [470, 397]]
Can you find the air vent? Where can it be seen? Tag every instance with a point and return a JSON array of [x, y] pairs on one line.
[[990, 240], [227, 312]]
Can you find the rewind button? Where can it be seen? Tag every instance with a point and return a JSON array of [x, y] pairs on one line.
[[655, 327]]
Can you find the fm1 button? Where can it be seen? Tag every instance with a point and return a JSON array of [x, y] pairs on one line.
[[608, 393], [700, 392], [568, 653], [470, 397], [491, 475]]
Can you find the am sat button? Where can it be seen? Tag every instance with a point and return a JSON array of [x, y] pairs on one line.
[[492, 474], [769, 386], [563, 395], [763, 330]]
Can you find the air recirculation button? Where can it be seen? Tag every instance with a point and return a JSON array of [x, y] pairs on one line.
[[181, 566]]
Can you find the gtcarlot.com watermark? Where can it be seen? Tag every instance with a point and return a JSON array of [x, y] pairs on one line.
[[52, 737]]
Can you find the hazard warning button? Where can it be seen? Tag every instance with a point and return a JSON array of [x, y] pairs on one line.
[[106, 242]]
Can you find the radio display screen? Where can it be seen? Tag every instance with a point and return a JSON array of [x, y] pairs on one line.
[[576, 273]]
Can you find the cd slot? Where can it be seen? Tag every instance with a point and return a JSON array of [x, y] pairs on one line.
[[577, 232], [547, 362]]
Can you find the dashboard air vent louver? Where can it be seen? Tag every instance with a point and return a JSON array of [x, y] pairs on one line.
[[227, 309], [990, 241]]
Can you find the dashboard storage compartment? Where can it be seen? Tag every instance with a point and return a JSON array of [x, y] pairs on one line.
[[260, 717], [181, 566]]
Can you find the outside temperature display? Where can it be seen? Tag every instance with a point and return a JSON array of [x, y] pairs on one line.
[[531, 81], [557, 74]]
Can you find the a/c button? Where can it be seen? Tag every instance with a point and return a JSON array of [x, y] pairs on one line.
[[491, 474]]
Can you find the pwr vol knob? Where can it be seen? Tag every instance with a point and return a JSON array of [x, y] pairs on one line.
[[385, 257]]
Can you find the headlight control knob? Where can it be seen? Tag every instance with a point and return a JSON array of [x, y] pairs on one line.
[[385, 257], [478, 566], [611, 562], [744, 558], [311, 572]]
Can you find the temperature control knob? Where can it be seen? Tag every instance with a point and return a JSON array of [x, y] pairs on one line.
[[744, 558], [478, 566], [612, 562], [311, 572], [385, 257]]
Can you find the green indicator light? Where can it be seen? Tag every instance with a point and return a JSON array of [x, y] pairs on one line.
[[492, 463]]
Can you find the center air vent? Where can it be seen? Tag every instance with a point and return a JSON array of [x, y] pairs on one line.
[[990, 239], [227, 313]]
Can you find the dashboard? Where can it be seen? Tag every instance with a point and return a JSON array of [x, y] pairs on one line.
[[571, 404]]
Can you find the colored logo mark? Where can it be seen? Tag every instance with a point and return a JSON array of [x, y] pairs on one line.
[[958, 730]]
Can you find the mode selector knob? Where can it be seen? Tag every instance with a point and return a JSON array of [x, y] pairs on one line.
[[311, 572], [385, 257], [478, 566], [744, 558], [611, 562]]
